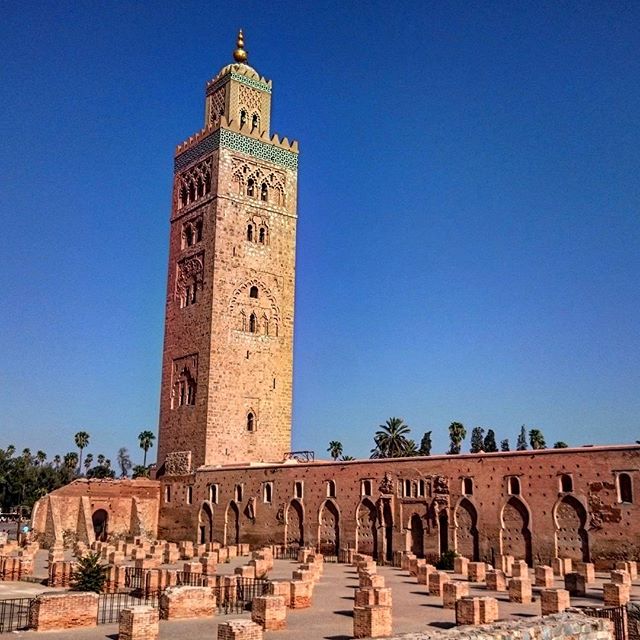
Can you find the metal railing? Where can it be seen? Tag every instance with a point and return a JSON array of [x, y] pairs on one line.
[[617, 615], [111, 604], [14, 614]]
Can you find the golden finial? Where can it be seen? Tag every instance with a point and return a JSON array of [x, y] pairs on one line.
[[240, 55]]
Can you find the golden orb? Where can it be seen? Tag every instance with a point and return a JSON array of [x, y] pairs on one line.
[[240, 55]]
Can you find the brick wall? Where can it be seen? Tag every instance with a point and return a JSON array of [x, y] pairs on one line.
[[50, 612]]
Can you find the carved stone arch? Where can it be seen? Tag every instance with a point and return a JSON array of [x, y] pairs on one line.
[[241, 293], [232, 524], [515, 530], [329, 528], [294, 523], [570, 518], [467, 540], [415, 534], [367, 528], [205, 523]]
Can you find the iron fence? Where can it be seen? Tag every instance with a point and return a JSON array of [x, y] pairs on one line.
[[188, 579], [14, 614], [111, 604], [617, 615], [286, 553]]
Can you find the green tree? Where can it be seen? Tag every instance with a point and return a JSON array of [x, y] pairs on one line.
[[57, 461], [521, 444], [88, 461], [11, 449], [425, 444], [335, 449], [477, 440], [124, 462], [90, 574], [560, 445], [101, 460], [489, 444], [457, 433], [146, 438], [347, 458], [140, 472], [41, 457], [82, 441], [70, 460], [391, 439], [504, 445], [101, 471], [536, 439], [411, 448]]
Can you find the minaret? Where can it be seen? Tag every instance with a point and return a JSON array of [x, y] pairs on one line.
[[228, 346]]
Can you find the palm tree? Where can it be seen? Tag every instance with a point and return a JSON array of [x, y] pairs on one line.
[[536, 439], [41, 456], [82, 440], [71, 460], [11, 449], [124, 461], [347, 458], [146, 439], [101, 459], [87, 462], [56, 461], [391, 440], [335, 449], [457, 433]]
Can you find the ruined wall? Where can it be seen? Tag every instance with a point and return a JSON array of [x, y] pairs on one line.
[[67, 514], [530, 504]]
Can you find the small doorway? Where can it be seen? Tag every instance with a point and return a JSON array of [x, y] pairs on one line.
[[100, 520]]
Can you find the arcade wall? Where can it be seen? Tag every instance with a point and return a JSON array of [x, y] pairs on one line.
[[534, 505]]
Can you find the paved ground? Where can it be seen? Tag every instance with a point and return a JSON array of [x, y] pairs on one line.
[[330, 618]]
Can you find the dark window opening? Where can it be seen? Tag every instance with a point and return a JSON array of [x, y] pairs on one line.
[[253, 323], [253, 292], [243, 118], [250, 187], [264, 192], [331, 489], [251, 421], [514, 486], [625, 488], [262, 234], [467, 487], [566, 483], [250, 233]]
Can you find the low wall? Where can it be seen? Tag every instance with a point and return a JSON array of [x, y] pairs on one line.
[[556, 627]]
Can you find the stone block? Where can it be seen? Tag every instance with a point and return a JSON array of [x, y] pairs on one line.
[[587, 571], [468, 611], [496, 580], [372, 621], [477, 572], [239, 630], [554, 601], [452, 592], [270, 612], [436, 581], [281, 588], [261, 566], [520, 590], [561, 566], [424, 570], [488, 610], [139, 623], [520, 569], [544, 576], [187, 602], [505, 562], [615, 595], [245, 571], [575, 584], [371, 580], [60, 611], [620, 577], [460, 566], [301, 593]]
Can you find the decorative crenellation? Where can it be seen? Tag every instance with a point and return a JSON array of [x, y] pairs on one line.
[[231, 136]]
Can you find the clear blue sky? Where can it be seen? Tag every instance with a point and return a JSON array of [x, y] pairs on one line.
[[469, 226]]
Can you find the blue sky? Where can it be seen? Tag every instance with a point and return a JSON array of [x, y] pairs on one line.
[[469, 234]]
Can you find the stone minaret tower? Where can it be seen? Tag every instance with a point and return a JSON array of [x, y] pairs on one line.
[[228, 345]]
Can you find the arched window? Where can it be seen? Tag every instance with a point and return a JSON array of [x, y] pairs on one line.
[[262, 235], [421, 488], [200, 187], [264, 192], [253, 292], [237, 493], [514, 486], [251, 421], [250, 232], [250, 187], [198, 229], [625, 488], [253, 323], [407, 488], [182, 200], [366, 487], [185, 389], [566, 483], [267, 493], [331, 489], [467, 487], [255, 121], [243, 118], [188, 235], [192, 191]]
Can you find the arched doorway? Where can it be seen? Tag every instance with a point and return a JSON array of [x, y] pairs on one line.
[[205, 523], [466, 519], [443, 531], [515, 535], [416, 536], [367, 529], [294, 528], [387, 518], [100, 521], [329, 529], [232, 524], [572, 540]]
